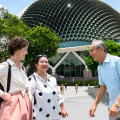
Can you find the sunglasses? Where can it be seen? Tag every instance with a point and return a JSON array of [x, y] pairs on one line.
[[42, 56]]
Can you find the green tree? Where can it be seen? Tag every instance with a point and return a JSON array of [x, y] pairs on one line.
[[10, 26], [42, 41], [15, 27], [112, 47]]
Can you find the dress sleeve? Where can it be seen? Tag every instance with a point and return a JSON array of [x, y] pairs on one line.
[[60, 96], [32, 87]]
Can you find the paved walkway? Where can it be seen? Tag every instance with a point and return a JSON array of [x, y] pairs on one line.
[[78, 105]]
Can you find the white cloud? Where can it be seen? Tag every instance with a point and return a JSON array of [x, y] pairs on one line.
[[21, 12], [2, 6]]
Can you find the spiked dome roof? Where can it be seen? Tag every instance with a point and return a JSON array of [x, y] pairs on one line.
[[77, 22]]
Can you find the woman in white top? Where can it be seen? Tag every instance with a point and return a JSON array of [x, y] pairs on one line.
[[76, 88], [16, 104], [47, 99]]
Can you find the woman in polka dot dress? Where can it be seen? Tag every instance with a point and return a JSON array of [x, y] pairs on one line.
[[46, 96]]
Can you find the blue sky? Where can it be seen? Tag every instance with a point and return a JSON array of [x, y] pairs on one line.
[[15, 6]]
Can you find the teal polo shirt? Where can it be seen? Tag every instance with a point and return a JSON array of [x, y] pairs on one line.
[[109, 75]]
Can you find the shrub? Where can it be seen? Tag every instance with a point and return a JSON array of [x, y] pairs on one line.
[[91, 82], [80, 83]]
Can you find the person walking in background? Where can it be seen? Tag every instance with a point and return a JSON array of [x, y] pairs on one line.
[[65, 86], [109, 78], [47, 99], [62, 89], [73, 80], [76, 88], [16, 104]]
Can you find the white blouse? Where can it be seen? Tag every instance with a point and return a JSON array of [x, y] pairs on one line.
[[48, 98], [19, 80]]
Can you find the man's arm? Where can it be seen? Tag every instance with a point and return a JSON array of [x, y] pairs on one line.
[[98, 98], [118, 99]]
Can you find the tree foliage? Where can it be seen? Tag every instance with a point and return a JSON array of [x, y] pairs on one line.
[[112, 47], [91, 64], [10, 26], [41, 39]]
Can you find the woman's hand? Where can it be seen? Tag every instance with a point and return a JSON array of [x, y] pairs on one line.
[[64, 113], [6, 96]]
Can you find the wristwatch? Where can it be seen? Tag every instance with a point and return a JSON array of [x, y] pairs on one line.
[[117, 103]]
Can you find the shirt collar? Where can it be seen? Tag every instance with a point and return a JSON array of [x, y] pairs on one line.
[[107, 58], [36, 75], [11, 62]]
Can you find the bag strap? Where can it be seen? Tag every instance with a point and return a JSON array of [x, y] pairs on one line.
[[23, 68], [9, 77]]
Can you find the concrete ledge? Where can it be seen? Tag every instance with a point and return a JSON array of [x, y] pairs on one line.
[[92, 91]]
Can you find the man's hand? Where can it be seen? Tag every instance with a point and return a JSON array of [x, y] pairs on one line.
[[113, 111], [92, 110]]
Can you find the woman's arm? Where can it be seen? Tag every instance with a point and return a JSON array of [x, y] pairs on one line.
[[63, 111]]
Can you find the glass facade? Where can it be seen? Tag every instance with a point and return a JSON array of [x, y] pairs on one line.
[[70, 66], [55, 59]]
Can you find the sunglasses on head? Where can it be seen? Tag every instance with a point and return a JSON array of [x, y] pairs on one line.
[[42, 56]]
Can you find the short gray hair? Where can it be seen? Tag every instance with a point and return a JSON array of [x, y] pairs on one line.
[[100, 43]]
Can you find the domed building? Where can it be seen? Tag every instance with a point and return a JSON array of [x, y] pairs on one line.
[[77, 22]]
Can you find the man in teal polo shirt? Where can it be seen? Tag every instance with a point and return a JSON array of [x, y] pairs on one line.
[[109, 79]]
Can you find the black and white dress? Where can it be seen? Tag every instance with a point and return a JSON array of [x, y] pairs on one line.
[[46, 97]]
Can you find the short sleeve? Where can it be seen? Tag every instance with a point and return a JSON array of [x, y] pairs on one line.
[[60, 96], [101, 82], [32, 87], [3, 70], [3, 75]]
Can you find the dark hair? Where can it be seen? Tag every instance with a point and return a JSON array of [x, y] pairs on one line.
[[38, 57], [16, 43]]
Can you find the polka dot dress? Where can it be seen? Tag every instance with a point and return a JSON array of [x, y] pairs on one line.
[[46, 98]]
